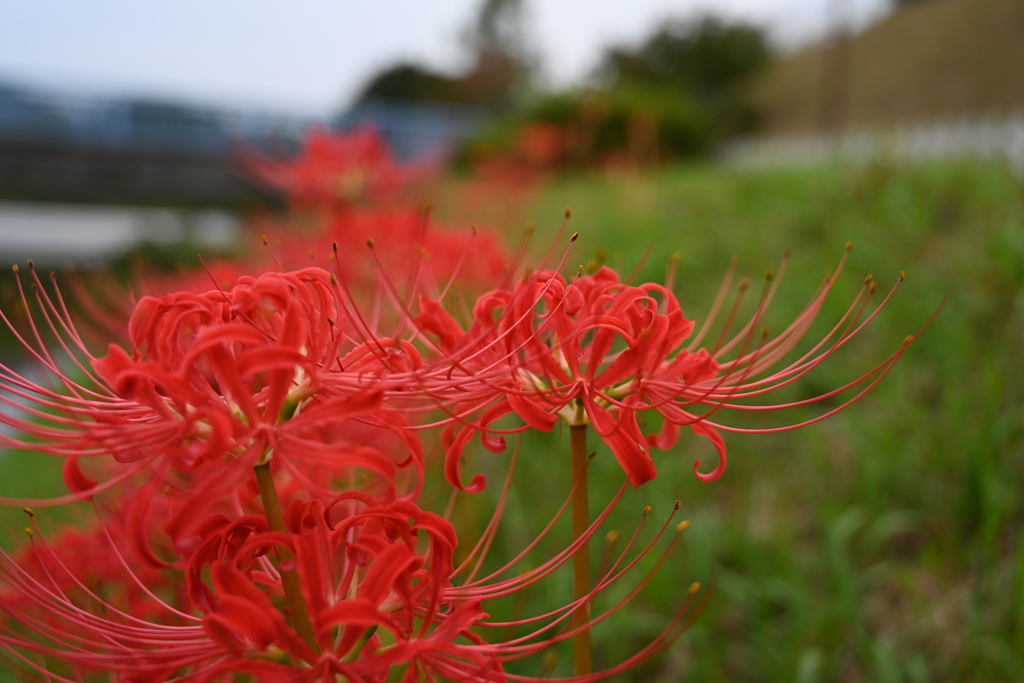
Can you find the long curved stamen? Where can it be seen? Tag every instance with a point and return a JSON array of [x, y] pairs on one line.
[[723, 290], [484, 544]]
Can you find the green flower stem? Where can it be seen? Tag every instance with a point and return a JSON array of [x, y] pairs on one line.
[[289, 577], [581, 559], [353, 654]]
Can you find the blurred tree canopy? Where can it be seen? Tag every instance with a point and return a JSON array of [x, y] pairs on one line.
[[706, 56], [500, 71], [413, 82], [675, 94], [705, 59], [503, 62]]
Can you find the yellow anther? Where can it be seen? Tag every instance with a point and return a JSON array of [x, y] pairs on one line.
[[611, 537], [265, 241], [473, 228], [694, 587], [370, 243], [909, 339], [770, 275], [28, 511], [683, 525], [573, 238], [902, 276], [334, 279], [334, 246], [28, 530], [678, 504], [14, 268], [53, 275], [530, 227], [765, 331], [646, 510], [744, 284], [734, 260], [330, 321], [849, 246], [579, 272], [869, 278], [568, 212], [30, 264]]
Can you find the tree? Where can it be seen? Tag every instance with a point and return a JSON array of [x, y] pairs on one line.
[[411, 82], [499, 72], [707, 57], [705, 60]]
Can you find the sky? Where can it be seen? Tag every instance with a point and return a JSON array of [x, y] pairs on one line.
[[311, 57]]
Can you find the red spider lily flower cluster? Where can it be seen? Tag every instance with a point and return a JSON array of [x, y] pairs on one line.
[[437, 257], [255, 452], [598, 351], [325, 177], [379, 585], [333, 169]]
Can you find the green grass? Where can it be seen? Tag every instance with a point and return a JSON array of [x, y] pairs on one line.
[[885, 544]]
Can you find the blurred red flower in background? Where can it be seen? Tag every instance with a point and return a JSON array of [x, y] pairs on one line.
[[333, 169]]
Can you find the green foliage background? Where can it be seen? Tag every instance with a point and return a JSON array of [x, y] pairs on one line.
[[884, 544]]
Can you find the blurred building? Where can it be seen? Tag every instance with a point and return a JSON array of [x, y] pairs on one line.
[[415, 130], [64, 148]]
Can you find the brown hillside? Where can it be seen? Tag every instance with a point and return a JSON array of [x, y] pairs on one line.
[[931, 61]]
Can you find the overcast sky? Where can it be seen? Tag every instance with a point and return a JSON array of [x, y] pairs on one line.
[[312, 56]]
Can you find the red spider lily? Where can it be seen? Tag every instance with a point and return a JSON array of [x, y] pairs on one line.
[[104, 305], [378, 581], [85, 600], [598, 351], [333, 168], [283, 376], [546, 630], [219, 382], [375, 600], [101, 571], [434, 258], [409, 240]]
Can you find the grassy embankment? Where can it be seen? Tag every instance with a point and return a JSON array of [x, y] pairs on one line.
[[884, 544]]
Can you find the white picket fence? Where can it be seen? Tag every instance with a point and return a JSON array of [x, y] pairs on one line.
[[992, 138]]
